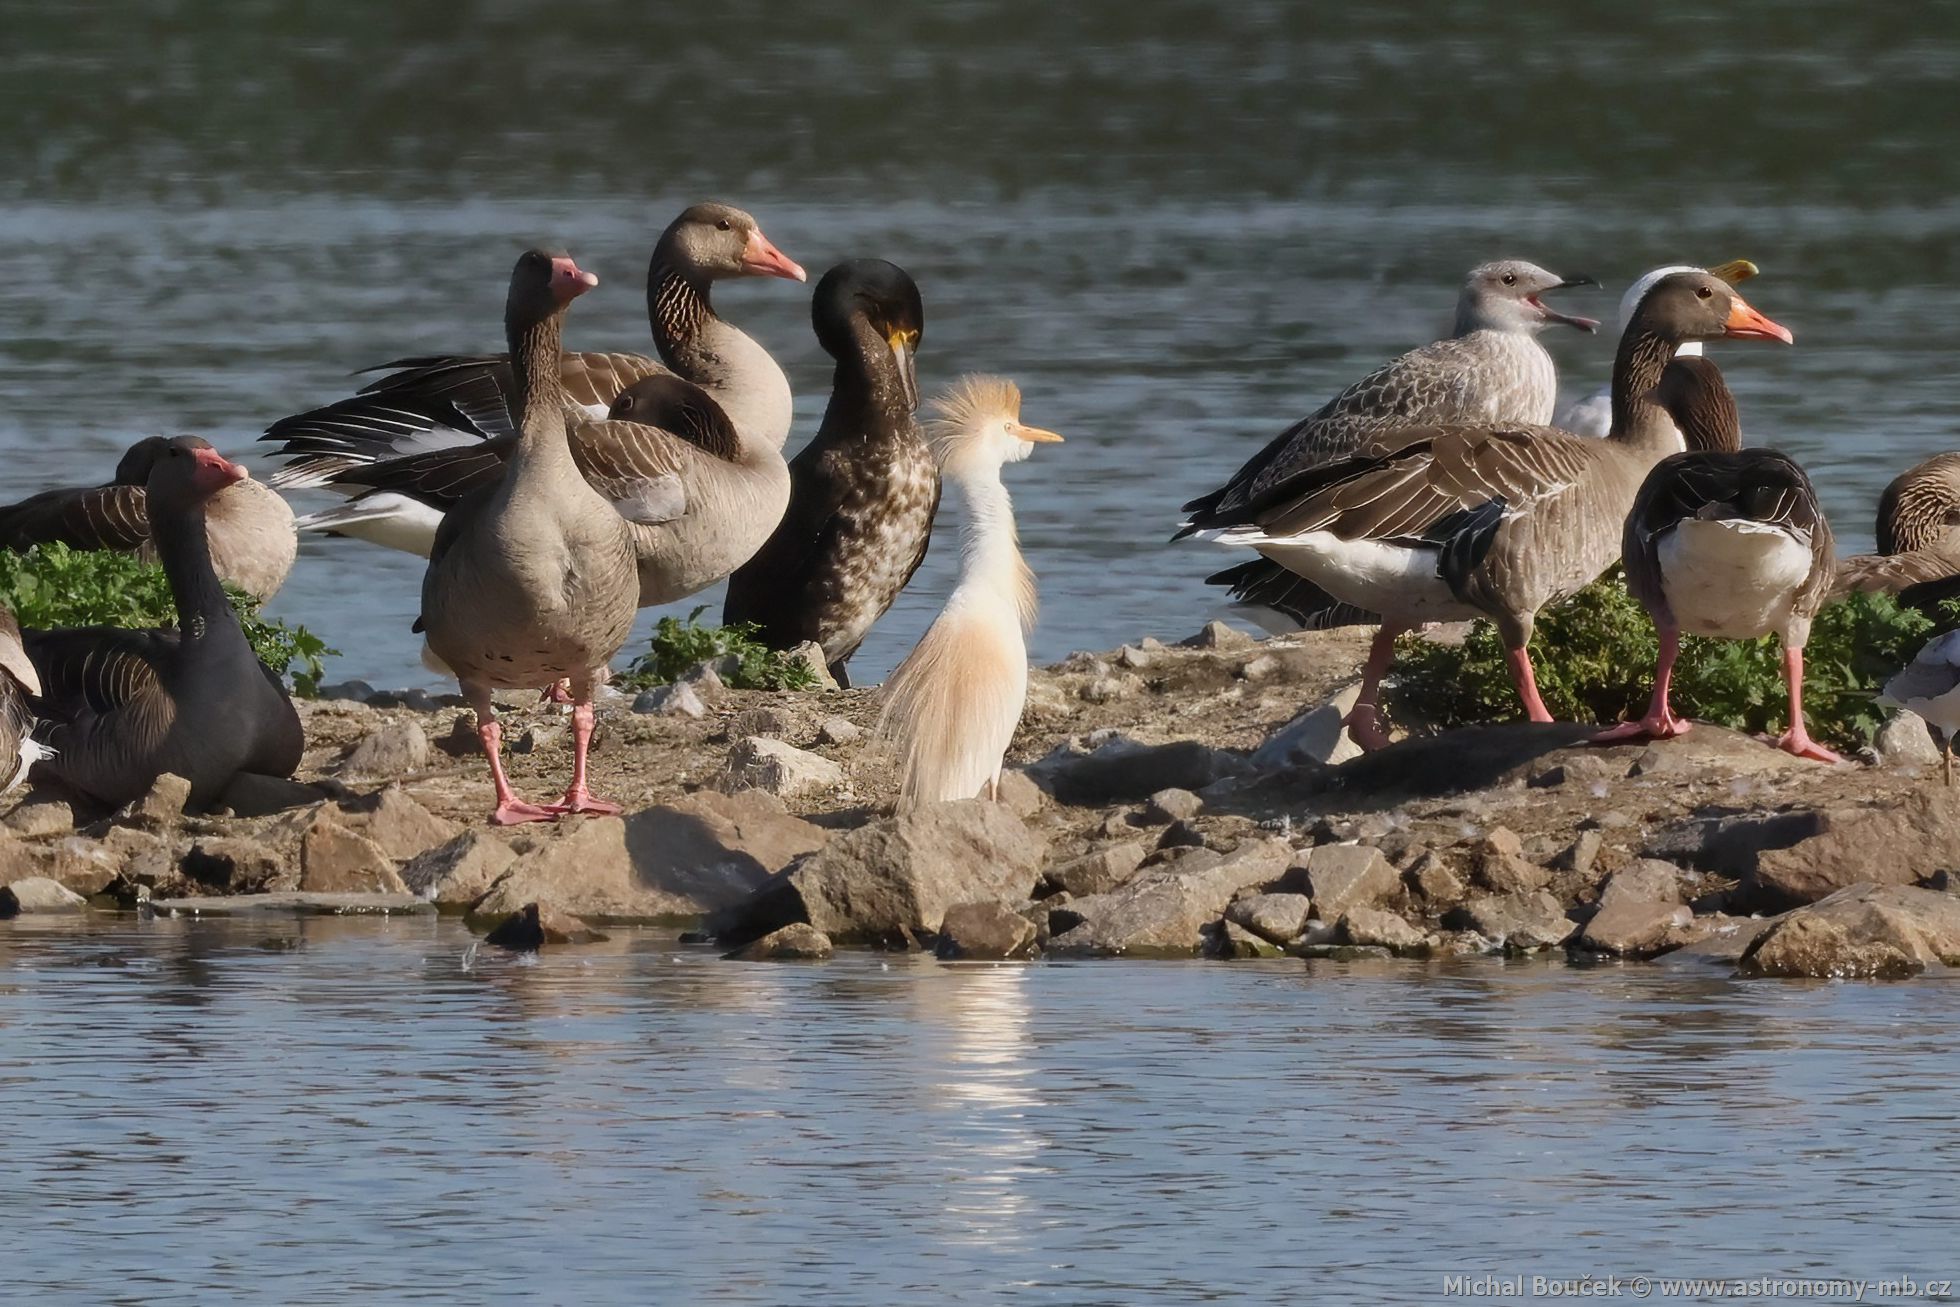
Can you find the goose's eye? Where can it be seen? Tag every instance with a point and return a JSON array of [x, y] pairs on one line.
[[1704, 292], [1510, 279], [722, 225]]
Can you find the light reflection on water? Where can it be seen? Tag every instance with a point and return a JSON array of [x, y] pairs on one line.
[[195, 1103]]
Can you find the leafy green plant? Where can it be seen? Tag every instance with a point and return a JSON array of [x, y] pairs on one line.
[[52, 585], [1594, 656], [678, 645]]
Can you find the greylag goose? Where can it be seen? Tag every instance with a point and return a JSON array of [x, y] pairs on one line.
[[253, 542], [1918, 555], [1725, 542], [454, 402], [1930, 686], [1490, 369], [1592, 415], [1456, 522], [863, 492], [19, 683], [954, 702], [531, 579], [124, 707]]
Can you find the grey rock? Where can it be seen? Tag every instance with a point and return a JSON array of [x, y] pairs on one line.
[[1861, 931], [1647, 881], [1133, 658], [1169, 805], [1108, 689], [893, 879], [334, 858], [1580, 855], [1318, 735], [810, 654], [1263, 667], [764, 722], [797, 942], [163, 806], [1635, 927], [456, 874], [290, 903], [1098, 872], [353, 690], [1502, 868], [676, 700], [1229, 941], [235, 864], [1343, 876], [400, 826], [1281, 918], [32, 895], [1435, 880], [1520, 922], [1380, 928], [1120, 770], [704, 680], [1906, 741], [1181, 835], [1020, 794], [392, 750], [1164, 912], [761, 763], [839, 731], [986, 929], [1216, 635], [535, 925], [1715, 939], [39, 815]]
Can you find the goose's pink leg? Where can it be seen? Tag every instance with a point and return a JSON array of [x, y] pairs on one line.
[[577, 797], [510, 810], [1660, 723], [1364, 719], [1797, 739], [1527, 682]]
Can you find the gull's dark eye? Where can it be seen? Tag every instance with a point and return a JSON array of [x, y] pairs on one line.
[[1510, 279]]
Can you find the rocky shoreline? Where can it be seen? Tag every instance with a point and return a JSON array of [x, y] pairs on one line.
[[1166, 801]]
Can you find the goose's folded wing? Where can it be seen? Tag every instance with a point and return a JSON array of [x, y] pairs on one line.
[[94, 517], [1895, 573], [642, 469], [103, 707]]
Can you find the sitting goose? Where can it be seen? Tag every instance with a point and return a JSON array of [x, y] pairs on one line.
[[1729, 542], [251, 527], [1494, 521], [124, 707], [454, 402], [19, 683], [863, 492], [1490, 369], [1592, 415], [1918, 555], [954, 702], [531, 579]]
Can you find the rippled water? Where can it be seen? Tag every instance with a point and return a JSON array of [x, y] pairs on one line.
[[1180, 225], [301, 1111]]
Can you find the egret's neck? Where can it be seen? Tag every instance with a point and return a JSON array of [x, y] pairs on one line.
[[990, 551]]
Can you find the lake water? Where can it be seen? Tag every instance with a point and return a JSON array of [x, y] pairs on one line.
[[310, 1111], [1180, 226]]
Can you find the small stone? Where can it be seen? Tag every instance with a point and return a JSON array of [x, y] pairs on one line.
[[414, 699], [235, 864], [798, 941], [1520, 922], [1262, 668], [1020, 794], [1502, 867], [1169, 805], [1216, 635], [37, 894], [1098, 872], [704, 680], [769, 723], [1637, 928], [763, 763], [1382, 929], [677, 700], [836, 731], [88, 867], [334, 860], [1228, 941], [1342, 876], [1580, 855], [1435, 880], [457, 874], [39, 815], [1181, 835], [392, 750], [1318, 735], [1646, 881], [984, 930], [1906, 740], [536, 739], [1151, 644], [163, 805], [810, 654], [462, 740], [534, 925], [355, 691], [1281, 918], [1106, 689], [1132, 657]]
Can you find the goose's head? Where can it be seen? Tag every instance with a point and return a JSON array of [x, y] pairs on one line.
[[720, 240], [1504, 296], [867, 308], [1697, 305], [187, 470], [976, 426], [543, 283], [1734, 272]]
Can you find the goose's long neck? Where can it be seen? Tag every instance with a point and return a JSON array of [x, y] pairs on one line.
[[204, 611], [990, 551], [1637, 420], [535, 359], [722, 359]]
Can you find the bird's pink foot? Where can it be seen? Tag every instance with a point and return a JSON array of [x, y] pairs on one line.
[[515, 812], [1364, 727], [580, 799], [1798, 742], [1649, 727]]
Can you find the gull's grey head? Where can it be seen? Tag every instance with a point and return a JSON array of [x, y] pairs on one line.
[[1504, 296]]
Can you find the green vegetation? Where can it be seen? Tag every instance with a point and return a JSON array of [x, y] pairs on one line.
[[1595, 654], [52, 585], [678, 645]]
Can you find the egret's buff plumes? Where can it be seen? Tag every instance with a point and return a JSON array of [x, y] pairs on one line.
[[952, 705]]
